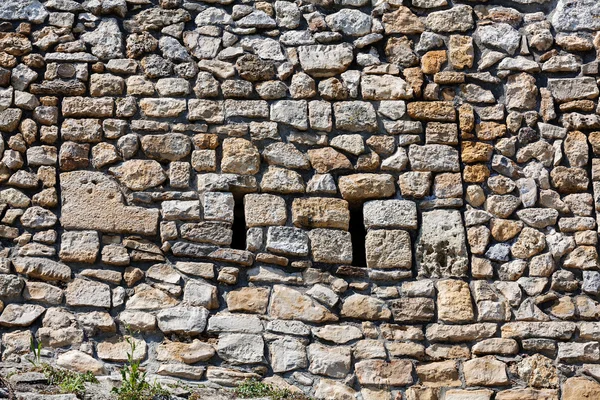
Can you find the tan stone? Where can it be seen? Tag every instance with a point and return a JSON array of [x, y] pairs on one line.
[[365, 308], [505, 229], [461, 52], [477, 173], [440, 374], [328, 159], [530, 242], [264, 210], [240, 157], [189, 353], [539, 372], [388, 249], [79, 361], [485, 371], [380, 372], [91, 200], [489, 130], [139, 174], [162, 107], [527, 394], [569, 180], [442, 111], [579, 388], [432, 61], [118, 349], [360, 187], [402, 21], [288, 303], [454, 301], [473, 152], [320, 212], [249, 300]]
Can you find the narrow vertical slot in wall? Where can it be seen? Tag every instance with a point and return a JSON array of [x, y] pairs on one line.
[[358, 235], [239, 225]]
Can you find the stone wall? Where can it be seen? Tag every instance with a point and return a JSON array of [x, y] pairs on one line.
[[377, 199]]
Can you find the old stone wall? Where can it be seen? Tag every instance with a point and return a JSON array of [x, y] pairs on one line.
[[385, 199]]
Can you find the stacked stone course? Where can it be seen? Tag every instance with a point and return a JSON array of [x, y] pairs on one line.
[[376, 200]]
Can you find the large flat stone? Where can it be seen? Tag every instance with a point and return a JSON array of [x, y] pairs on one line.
[[93, 201]]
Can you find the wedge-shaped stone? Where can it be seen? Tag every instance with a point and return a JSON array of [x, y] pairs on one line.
[[20, 314], [42, 268]]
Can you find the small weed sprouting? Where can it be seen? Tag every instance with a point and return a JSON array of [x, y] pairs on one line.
[[252, 388], [37, 353], [134, 385], [68, 381]]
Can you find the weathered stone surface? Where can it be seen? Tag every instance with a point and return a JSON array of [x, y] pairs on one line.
[[139, 174], [325, 60], [85, 197], [390, 214], [291, 304], [574, 16], [360, 187], [223, 178], [380, 372], [183, 319], [388, 249], [441, 249], [454, 301], [42, 268], [320, 212]]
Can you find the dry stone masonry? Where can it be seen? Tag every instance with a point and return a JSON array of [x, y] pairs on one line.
[[364, 199]]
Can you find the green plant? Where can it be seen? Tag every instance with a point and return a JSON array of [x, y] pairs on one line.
[[252, 388], [134, 385], [37, 353], [68, 381]]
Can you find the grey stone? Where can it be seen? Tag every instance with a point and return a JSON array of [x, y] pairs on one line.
[[433, 157], [290, 112], [106, 40], [15, 315], [183, 319], [287, 354], [441, 246], [457, 19], [576, 15], [29, 10], [564, 90], [330, 246], [287, 240], [390, 214], [500, 36], [323, 61], [83, 292], [350, 22]]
